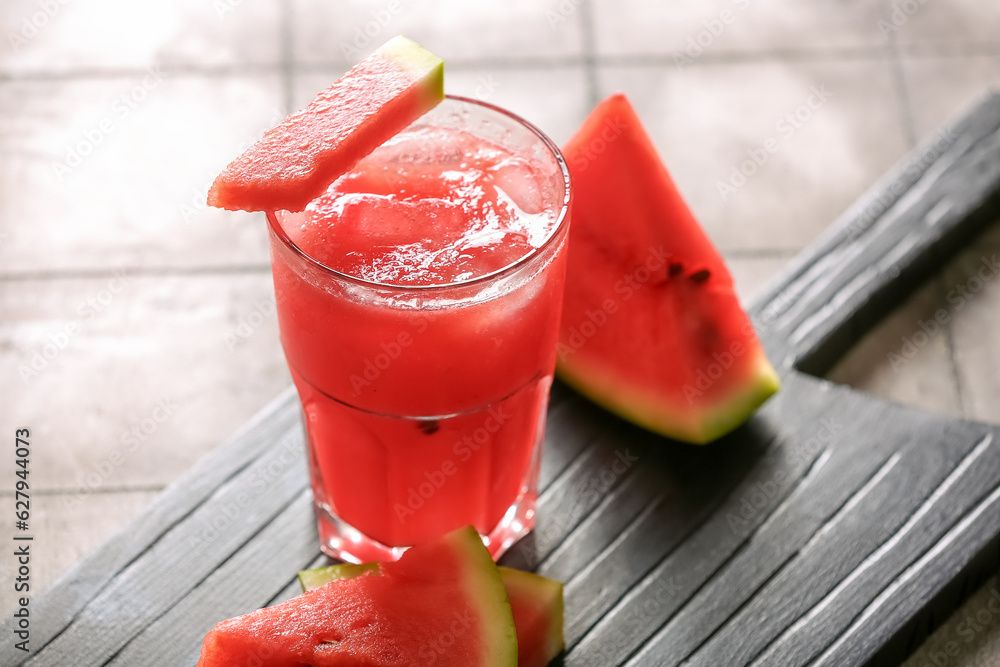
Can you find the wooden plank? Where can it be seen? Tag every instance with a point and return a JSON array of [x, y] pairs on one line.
[[569, 427], [826, 619], [892, 610], [175, 637], [797, 557], [620, 507], [575, 493]]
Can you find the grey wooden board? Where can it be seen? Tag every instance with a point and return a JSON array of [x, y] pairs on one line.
[[831, 529]]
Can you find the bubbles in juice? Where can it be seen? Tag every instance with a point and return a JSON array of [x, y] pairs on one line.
[[432, 206]]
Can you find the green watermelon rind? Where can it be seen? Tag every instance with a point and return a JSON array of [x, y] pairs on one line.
[[547, 592], [481, 576], [418, 61], [662, 417], [540, 588], [310, 579]]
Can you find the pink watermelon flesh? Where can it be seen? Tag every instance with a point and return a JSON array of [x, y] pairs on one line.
[[536, 603], [442, 603], [294, 162], [651, 327]]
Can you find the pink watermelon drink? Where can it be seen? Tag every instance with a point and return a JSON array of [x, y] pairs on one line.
[[418, 301]]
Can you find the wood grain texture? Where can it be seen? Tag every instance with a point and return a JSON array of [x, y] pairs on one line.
[[831, 529]]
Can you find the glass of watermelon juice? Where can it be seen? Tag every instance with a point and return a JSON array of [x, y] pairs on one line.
[[418, 301]]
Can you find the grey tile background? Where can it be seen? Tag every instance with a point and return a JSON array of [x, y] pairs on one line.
[[116, 115]]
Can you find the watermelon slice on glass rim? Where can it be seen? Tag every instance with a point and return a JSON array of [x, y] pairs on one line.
[[295, 161]]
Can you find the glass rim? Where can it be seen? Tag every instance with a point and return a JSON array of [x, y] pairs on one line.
[[561, 221]]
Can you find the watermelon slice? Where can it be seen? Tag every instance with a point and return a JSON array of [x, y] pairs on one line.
[[651, 327], [296, 161], [537, 605], [441, 603], [536, 602]]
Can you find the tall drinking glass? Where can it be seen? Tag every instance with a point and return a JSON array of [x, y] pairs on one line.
[[424, 405]]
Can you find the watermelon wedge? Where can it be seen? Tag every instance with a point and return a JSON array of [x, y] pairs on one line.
[[536, 602], [537, 605], [442, 603], [652, 329], [294, 162]]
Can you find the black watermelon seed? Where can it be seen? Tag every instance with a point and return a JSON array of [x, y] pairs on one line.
[[429, 426], [675, 270], [698, 277]]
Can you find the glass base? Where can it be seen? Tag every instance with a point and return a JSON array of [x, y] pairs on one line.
[[460, 469], [341, 540]]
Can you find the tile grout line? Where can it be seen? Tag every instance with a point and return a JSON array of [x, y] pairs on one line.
[[287, 36], [905, 104], [743, 57], [592, 60], [949, 346], [107, 73], [589, 38], [133, 271], [457, 64], [902, 92]]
